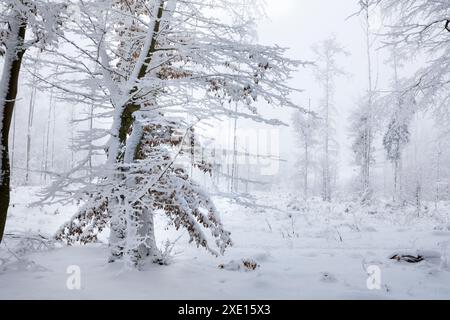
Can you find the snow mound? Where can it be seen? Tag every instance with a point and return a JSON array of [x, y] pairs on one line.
[[240, 265]]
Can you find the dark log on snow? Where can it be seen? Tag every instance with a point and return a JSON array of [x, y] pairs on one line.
[[408, 258]]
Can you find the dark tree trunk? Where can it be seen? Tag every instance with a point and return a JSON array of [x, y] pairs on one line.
[[13, 62]]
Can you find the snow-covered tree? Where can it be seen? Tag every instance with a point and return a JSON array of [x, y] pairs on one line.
[[397, 135], [421, 28], [363, 148], [416, 30], [327, 70], [154, 62], [363, 118], [306, 127], [41, 19], [394, 141]]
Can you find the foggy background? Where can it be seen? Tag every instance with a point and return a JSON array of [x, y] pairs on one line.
[[295, 24]]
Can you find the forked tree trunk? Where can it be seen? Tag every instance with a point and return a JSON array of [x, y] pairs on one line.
[[118, 224], [8, 92]]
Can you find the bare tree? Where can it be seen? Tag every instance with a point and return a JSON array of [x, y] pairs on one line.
[[306, 127], [31, 107], [363, 118], [327, 70]]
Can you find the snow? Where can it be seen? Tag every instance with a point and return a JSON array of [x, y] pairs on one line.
[[299, 252]]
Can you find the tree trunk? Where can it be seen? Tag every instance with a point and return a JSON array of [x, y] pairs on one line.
[[305, 176], [47, 136], [147, 230], [326, 171], [234, 169], [30, 125], [306, 159], [91, 127], [13, 140], [367, 142], [9, 81], [118, 232]]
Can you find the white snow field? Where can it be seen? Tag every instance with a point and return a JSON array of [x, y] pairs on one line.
[[322, 252]]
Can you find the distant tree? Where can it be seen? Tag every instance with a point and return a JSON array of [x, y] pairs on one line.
[[363, 119], [326, 71], [397, 135], [31, 110], [362, 132], [306, 127], [395, 139]]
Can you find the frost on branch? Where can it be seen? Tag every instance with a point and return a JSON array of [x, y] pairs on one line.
[[86, 224], [422, 27], [155, 181], [154, 63]]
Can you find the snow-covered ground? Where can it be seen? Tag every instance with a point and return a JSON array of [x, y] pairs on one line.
[[318, 251]]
